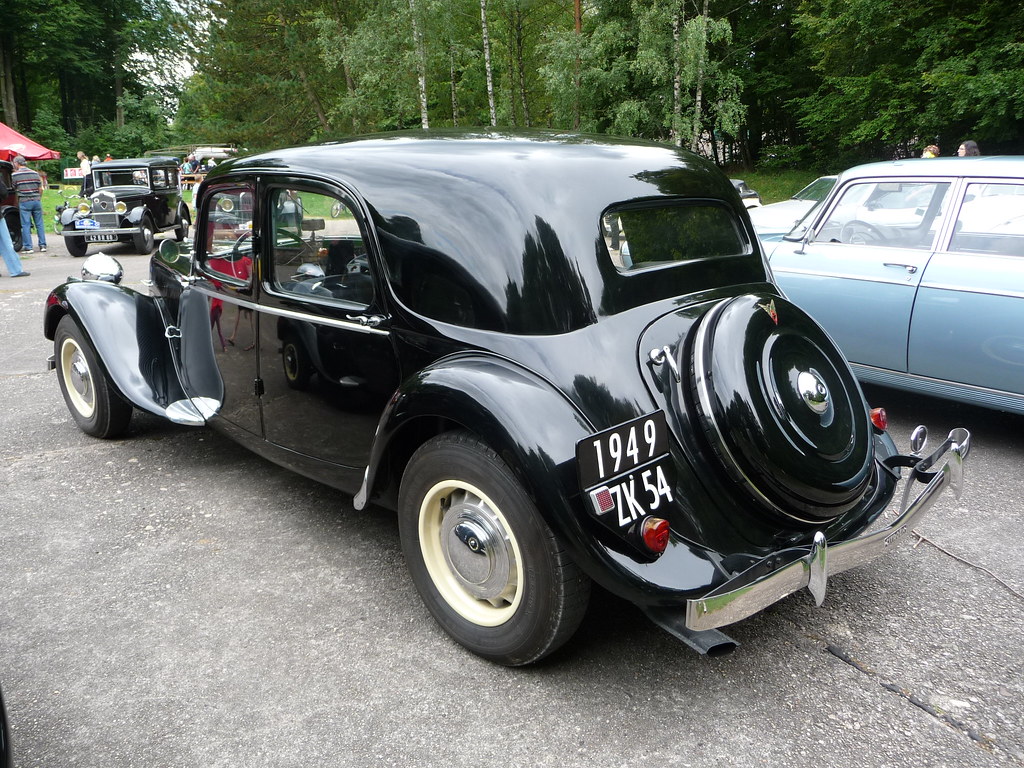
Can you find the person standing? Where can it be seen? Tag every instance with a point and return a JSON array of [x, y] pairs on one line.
[[29, 186], [86, 166], [10, 255]]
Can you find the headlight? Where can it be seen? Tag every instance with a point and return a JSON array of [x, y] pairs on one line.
[[120, 207], [83, 207]]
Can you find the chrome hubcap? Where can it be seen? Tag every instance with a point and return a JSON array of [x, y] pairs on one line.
[[77, 378], [813, 391], [477, 549]]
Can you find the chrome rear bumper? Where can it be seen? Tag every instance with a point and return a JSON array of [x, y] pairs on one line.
[[754, 589]]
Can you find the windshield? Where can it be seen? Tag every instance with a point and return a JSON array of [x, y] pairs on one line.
[[121, 177], [817, 189]]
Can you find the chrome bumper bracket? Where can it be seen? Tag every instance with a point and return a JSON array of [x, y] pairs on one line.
[[753, 590]]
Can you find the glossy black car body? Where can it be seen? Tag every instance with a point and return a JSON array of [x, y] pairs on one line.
[[126, 201], [559, 358], [9, 212], [6, 756]]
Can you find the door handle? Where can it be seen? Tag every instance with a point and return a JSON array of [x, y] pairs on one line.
[[370, 321], [911, 268]]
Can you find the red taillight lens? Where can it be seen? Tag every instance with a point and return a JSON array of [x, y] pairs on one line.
[[654, 531], [879, 418]]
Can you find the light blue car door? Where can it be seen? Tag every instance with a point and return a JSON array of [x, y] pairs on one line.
[[859, 272], [968, 323]]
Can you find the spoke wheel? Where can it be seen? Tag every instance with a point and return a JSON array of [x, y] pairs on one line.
[[97, 409], [488, 568]]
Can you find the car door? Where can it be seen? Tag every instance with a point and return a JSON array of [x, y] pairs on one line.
[[219, 314], [326, 362], [968, 322], [858, 272]]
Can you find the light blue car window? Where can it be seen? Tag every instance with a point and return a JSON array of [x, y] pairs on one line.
[[991, 220], [894, 214]]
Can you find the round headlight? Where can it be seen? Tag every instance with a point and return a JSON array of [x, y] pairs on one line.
[[102, 267], [120, 207], [84, 207]]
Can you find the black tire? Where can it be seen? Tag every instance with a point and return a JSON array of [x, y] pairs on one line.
[[95, 405], [76, 246], [13, 219], [144, 241], [184, 222], [507, 590], [298, 369]]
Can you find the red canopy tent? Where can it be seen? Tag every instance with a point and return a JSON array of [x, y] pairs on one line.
[[13, 143]]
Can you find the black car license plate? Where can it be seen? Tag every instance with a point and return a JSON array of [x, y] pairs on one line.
[[626, 471], [101, 238]]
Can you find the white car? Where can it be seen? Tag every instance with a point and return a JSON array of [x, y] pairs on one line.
[[774, 220]]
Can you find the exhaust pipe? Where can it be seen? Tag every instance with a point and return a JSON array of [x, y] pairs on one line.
[[706, 642]]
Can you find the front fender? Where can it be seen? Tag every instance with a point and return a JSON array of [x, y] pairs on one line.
[[126, 329], [534, 428], [135, 215]]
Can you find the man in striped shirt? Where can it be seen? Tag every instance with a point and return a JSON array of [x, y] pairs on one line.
[[29, 187]]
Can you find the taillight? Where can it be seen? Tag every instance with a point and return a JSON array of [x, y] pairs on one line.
[[879, 418], [654, 532]]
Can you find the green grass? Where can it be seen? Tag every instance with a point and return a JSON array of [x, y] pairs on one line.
[[777, 185]]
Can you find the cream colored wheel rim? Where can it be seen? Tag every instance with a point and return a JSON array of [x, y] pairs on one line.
[[78, 380], [470, 553]]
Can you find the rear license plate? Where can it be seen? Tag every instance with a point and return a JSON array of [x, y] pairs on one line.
[[626, 472], [101, 238], [86, 224]]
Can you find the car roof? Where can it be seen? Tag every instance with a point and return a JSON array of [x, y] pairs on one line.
[[989, 166], [134, 162], [513, 212]]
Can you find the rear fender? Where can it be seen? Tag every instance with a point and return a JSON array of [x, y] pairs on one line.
[[534, 428], [127, 331]]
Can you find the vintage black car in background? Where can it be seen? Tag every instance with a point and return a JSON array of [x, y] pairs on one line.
[[9, 211], [126, 201], [559, 358]]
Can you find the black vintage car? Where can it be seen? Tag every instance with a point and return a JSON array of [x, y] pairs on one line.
[[9, 211], [561, 359], [126, 201]]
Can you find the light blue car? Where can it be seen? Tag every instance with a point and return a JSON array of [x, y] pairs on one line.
[[916, 269]]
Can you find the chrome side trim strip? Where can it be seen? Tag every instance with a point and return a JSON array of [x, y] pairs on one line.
[[746, 594], [348, 325]]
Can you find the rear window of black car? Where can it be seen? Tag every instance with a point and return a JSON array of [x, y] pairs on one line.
[[648, 236]]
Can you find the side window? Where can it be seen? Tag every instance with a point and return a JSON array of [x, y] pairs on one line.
[[991, 220], [227, 239], [318, 249], [895, 214]]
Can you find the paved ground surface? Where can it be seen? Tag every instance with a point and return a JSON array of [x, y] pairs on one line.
[[172, 600]]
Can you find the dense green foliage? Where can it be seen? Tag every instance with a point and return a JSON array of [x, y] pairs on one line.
[[812, 84]]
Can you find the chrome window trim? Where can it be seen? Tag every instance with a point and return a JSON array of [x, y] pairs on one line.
[[347, 325]]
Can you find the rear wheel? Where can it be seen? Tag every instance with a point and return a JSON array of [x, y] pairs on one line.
[[144, 239], [97, 409], [488, 568]]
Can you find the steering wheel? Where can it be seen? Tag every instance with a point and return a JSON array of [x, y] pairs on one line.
[[236, 249], [859, 232]]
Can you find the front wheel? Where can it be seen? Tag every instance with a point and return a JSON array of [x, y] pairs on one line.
[[144, 240], [488, 568], [97, 409], [181, 231], [76, 246]]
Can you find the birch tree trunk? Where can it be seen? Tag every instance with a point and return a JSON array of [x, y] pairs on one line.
[[677, 77], [487, 63], [421, 65], [702, 47]]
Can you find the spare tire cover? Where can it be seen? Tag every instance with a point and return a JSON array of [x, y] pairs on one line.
[[782, 408]]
